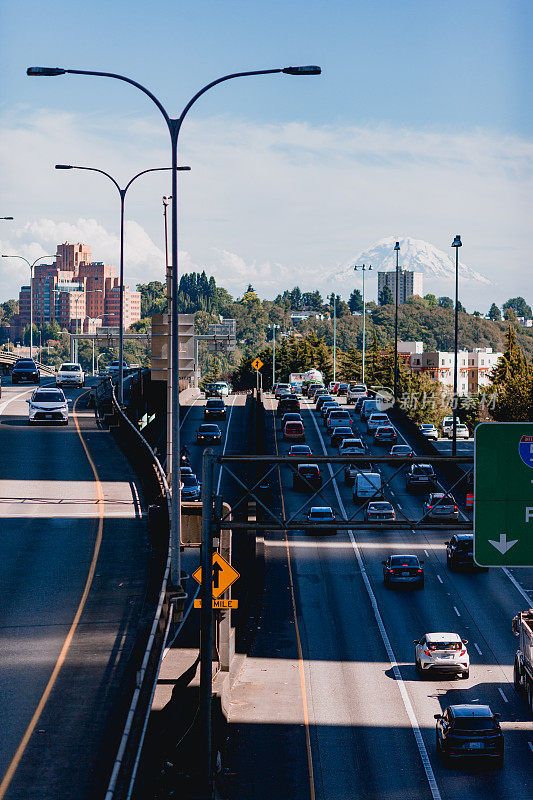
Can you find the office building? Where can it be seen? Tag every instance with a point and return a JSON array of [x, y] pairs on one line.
[[409, 284]]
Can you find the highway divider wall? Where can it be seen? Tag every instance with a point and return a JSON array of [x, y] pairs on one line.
[[143, 672]]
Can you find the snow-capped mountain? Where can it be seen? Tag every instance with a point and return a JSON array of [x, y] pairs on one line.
[[437, 267]]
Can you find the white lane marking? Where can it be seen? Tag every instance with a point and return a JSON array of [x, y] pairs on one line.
[[187, 412], [399, 506], [457, 611], [502, 694], [517, 586], [439, 578], [427, 554], [477, 648], [225, 442], [16, 397], [426, 763], [530, 743]]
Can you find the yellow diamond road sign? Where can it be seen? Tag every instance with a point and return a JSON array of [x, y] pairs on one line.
[[223, 575], [257, 363]]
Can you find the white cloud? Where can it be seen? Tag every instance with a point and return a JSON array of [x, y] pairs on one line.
[[272, 205]]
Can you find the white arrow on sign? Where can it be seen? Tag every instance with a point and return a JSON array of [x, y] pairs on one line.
[[503, 545]]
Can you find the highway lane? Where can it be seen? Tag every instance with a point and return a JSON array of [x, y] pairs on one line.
[[73, 576], [363, 710]]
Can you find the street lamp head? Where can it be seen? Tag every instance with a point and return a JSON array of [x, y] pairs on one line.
[[457, 241], [397, 246], [6, 217], [370, 266], [63, 166], [45, 71], [307, 70]]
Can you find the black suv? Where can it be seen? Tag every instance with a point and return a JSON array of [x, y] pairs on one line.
[[307, 477], [460, 552], [215, 408], [286, 404], [420, 478], [469, 731], [25, 370], [211, 390]]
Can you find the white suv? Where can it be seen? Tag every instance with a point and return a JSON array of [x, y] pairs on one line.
[[355, 393], [70, 375], [442, 652]]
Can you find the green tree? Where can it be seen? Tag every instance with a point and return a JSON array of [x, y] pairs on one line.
[[355, 301], [519, 306], [445, 302], [430, 299], [495, 314], [513, 381], [385, 296]]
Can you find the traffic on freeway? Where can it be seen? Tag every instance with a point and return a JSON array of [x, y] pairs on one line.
[[389, 633]]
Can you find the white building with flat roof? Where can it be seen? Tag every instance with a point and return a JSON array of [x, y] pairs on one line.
[[474, 367]]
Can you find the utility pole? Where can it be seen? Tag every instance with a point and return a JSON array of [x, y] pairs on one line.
[[363, 269]]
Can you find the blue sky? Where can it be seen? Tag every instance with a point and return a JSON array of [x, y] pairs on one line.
[[447, 79]]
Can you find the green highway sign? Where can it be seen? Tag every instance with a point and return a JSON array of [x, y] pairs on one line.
[[503, 494]]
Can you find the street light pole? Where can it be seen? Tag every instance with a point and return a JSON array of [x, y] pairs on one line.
[[174, 127], [457, 243], [363, 269], [397, 249], [31, 266], [273, 328], [122, 194], [334, 336]]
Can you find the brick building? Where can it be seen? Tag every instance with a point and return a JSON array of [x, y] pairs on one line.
[[77, 293]]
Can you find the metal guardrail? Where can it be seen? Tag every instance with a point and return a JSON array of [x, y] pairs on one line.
[[9, 359], [157, 494]]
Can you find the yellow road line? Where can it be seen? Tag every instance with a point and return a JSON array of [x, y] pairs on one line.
[[298, 639], [64, 650]]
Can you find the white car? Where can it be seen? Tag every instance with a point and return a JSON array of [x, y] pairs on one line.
[[442, 652], [70, 375], [461, 431], [356, 392], [350, 445], [223, 388], [429, 431], [48, 405], [375, 421], [447, 422]]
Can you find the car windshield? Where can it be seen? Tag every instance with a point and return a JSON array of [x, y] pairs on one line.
[[189, 480], [404, 561], [25, 363], [444, 645], [423, 469], [379, 507], [465, 545], [70, 368], [474, 724], [215, 404], [209, 429], [300, 449], [310, 469], [401, 448], [48, 397], [325, 514]]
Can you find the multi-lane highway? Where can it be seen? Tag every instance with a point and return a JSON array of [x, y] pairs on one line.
[[329, 704], [73, 577]]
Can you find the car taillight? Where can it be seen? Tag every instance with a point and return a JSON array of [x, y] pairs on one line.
[[429, 507], [455, 508], [462, 653], [427, 653], [419, 570]]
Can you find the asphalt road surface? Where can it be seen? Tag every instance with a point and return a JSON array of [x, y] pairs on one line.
[[73, 576], [359, 722]]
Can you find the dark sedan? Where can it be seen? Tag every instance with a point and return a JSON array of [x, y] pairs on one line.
[[460, 552], [420, 478], [342, 391], [340, 433], [25, 370], [307, 477], [352, 471], [385, 435], [208, 434], [300, 451], [469, 731], [403, 570]]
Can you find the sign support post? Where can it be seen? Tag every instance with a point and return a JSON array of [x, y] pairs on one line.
[[206, 622]]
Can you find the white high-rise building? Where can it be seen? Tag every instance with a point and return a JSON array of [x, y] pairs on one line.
[[409, 283]]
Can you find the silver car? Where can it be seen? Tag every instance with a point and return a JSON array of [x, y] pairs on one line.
[[441, 507]]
